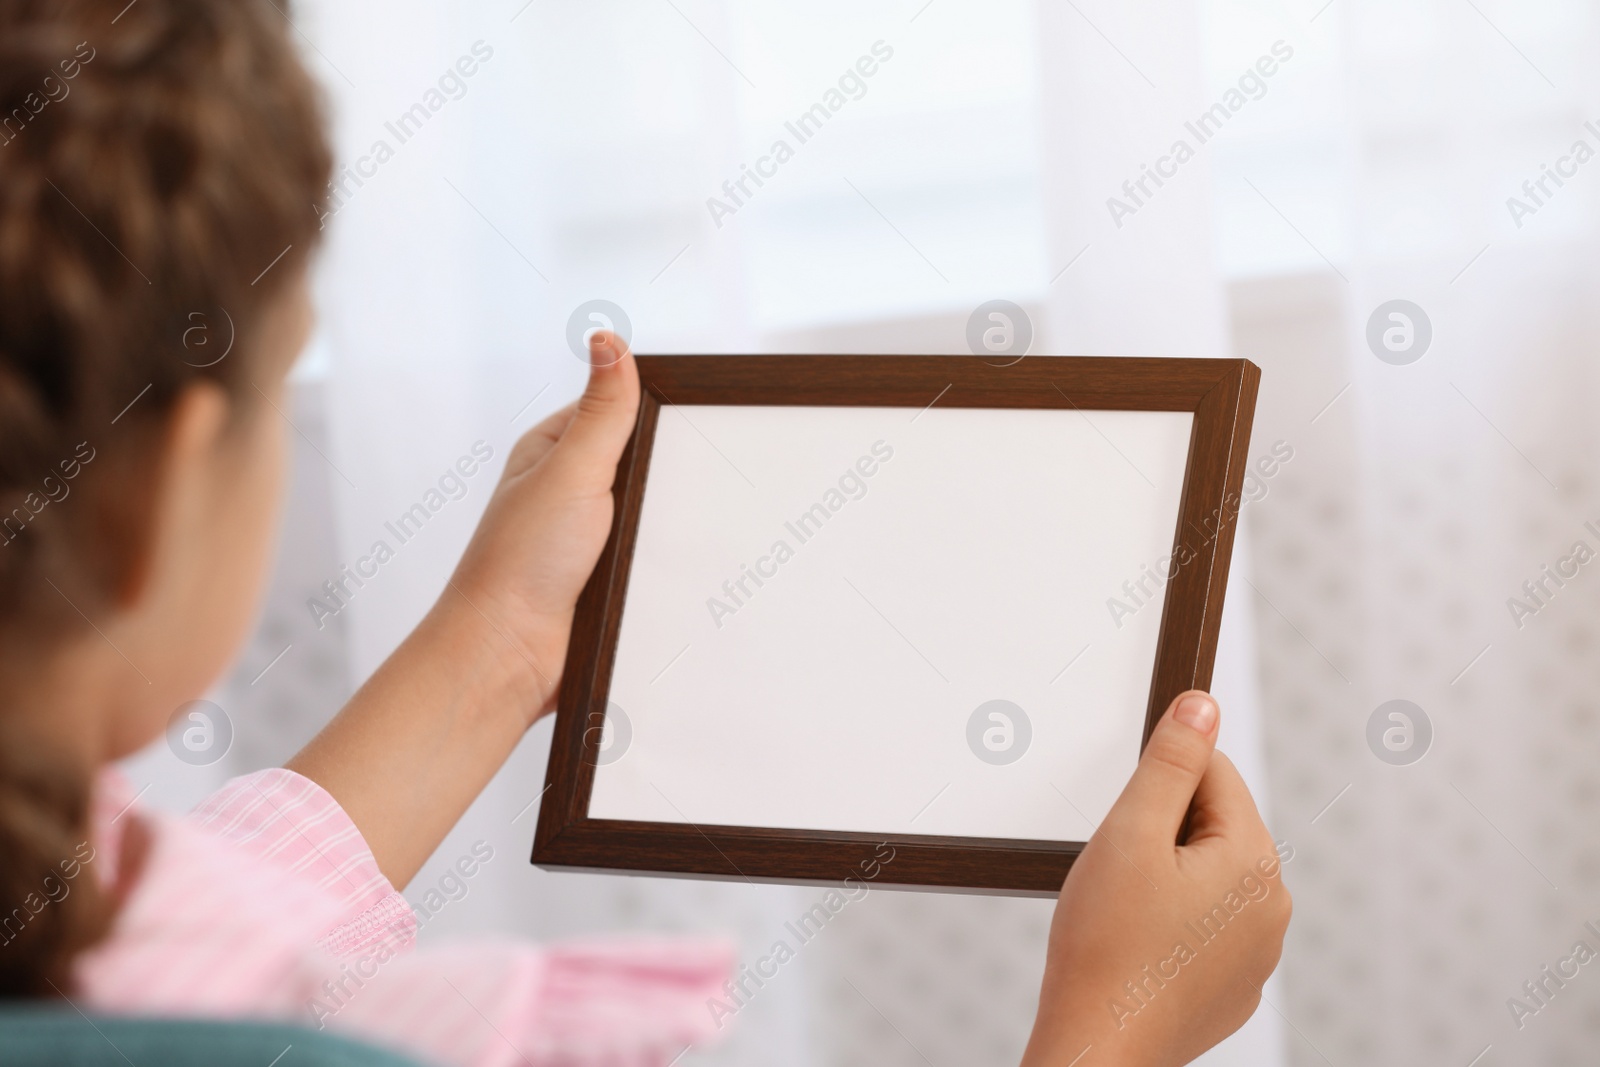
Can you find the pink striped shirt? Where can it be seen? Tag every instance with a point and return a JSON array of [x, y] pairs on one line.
[[266, 902]]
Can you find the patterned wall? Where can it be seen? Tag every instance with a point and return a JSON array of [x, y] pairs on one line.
[[1418, 501]]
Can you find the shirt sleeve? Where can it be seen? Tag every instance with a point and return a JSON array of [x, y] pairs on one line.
[[623, 1002], [627, 1002], [291, 822]]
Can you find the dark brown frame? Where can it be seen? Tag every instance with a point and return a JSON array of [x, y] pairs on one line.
[[1220, 392]]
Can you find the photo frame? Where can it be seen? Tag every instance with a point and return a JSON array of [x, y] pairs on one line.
[[792, 736]]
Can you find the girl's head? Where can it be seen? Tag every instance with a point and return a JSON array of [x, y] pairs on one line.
[[162, 172]]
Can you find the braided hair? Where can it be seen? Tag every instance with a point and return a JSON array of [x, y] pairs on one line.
[[162, 174]]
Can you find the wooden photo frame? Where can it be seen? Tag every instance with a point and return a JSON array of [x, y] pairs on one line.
[[799, 734]]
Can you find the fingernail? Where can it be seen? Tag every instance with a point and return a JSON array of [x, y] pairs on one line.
[[1198, 712]]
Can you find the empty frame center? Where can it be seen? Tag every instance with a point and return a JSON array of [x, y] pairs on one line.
[[881, 620]]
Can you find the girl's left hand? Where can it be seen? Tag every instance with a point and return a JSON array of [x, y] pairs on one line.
[[544, 528], [422, 737]]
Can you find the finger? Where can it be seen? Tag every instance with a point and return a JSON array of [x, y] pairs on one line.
[[532, 446], [1152, 806], [605, 413], [1223, 803], [1223, 806]]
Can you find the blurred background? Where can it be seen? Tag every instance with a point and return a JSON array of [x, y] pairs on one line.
[[1342, 155]]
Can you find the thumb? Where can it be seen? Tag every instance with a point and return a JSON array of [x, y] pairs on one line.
[[1157, 797], [604, 415]]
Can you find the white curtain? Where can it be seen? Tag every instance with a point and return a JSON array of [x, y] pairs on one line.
[[1388, 161]]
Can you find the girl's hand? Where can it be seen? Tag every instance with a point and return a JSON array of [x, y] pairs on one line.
[[1158, 950], [422, 737], [547, 522]]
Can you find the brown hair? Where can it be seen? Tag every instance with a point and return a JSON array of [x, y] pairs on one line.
[[162, 174]]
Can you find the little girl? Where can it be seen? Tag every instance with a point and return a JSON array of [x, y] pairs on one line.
[[162, 164]]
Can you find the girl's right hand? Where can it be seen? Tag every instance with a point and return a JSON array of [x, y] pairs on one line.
[[1158, 950]]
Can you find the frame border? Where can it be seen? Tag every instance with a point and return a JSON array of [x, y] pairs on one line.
[[1221, 393]]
